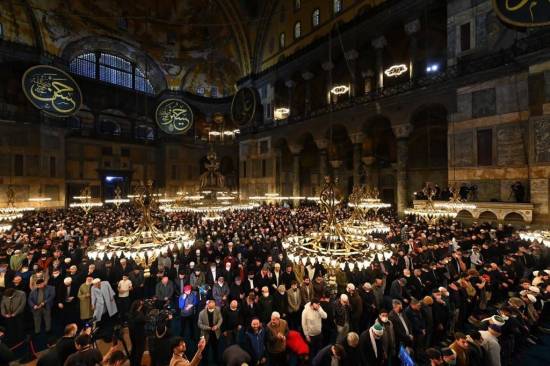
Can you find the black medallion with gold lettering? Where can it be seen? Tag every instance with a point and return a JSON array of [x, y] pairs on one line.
[[52, 90], [523, 13], [174, 116], [243, 106]]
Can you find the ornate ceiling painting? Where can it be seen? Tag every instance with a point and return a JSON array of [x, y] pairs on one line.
[[172, 33]]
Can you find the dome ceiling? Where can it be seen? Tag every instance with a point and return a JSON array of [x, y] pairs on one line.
[[199, 45]]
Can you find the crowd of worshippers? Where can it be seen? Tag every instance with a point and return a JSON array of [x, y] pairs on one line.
[[449, 294]]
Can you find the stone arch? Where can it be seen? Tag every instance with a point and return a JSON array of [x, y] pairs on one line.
[[117, 117], [227, 168], [488, 216], [514, 217], [309, 165], [283, 166], [380, 143], [428, 139], [464, 214]]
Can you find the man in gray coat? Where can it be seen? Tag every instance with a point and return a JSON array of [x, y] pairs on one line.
[[11, 308], [210, 322]]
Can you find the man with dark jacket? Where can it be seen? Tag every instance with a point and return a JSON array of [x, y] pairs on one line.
[[418, 323], [370, 344], [254, 342], [85, 355], [12, 307], [329, 356], [66, 346], [401, 324]]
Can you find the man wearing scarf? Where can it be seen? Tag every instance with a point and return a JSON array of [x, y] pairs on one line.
[[370, 344]]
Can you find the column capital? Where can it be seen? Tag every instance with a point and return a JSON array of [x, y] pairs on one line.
[[307, 75], [322, 143], [327, 66], [379, 42], [402, 131], [335, 164], [368, 160], [357, 137], [290, 83], [412, 27], [351, 55], [295, 149]]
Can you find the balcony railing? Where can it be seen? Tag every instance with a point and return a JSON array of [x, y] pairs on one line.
[[464, 67]]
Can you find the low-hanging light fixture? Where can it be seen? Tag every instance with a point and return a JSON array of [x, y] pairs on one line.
[[146, 243], [340, 89], [281, 113], [85, 200], [429, 212], [332, 246], [396, 70]]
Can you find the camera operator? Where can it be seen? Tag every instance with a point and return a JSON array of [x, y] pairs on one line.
[[136, 327], [159, 344]]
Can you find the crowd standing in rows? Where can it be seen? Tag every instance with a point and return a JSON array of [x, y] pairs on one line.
[[449, 294]]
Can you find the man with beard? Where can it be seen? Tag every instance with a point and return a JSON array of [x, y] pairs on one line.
[[370, 344], [66, 302]]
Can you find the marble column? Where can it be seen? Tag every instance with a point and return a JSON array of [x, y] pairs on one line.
[[322, 146], [412, 28], [290, 84], [295, 150], [307, 76], [379, 44], [402, 133], [357, 140], [369, 168], [352, 56], [327, 66]]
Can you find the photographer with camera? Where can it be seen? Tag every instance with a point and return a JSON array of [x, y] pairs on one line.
[[159, 343], [179, 347], [136, 328], [85, 354]]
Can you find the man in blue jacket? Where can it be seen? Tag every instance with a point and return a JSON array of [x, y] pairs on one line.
[[255, 342], [41, 302], [187, 304]]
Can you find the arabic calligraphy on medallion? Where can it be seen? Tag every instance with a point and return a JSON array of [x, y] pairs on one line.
[[243, 106], [523, 13], [52, 90], [174, 116]]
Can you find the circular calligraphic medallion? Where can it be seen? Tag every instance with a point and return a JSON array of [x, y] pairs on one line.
[[52, 90], [174, 116], [243, 106]]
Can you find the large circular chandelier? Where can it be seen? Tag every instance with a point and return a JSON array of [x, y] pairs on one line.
[[541, 236], [147, 242], [332, 246], [455, 203], [10, 212], [429, 212], [363, 200], [212, 198], [84, 200]]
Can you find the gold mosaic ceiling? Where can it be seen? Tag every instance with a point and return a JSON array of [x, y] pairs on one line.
[[196, 43]]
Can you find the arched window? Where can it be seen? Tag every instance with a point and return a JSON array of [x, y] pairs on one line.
[[297, 4], [145, 133], [336, 6], [111, 69], [282, 41], [316, 17], [297, 30], [108, 127]]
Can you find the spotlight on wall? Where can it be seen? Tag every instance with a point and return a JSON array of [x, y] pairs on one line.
[[432, 68]]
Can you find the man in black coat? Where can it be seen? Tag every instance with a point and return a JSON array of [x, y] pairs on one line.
[[401, 324], [326, 355], [370, 344]]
